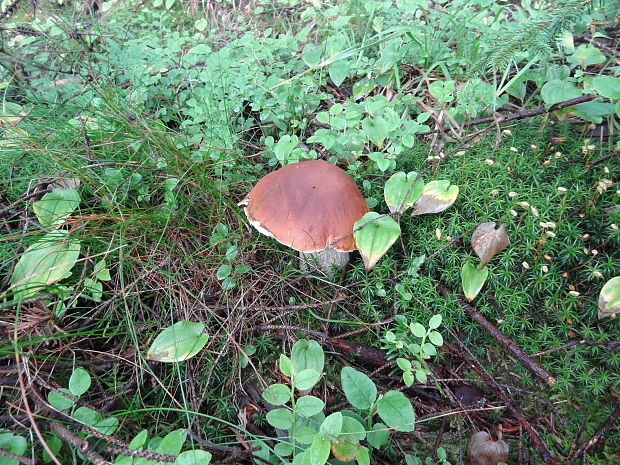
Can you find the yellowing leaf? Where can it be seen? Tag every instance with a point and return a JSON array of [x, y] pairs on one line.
[[376, 235], [56, 206], [48, 260], [436, 197], [488, 241], [609, 299], [402, 190], [178, 342]]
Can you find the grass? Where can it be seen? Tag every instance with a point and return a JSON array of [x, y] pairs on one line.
[[159, 184]]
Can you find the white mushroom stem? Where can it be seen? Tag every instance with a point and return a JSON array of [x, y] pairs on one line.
[[323, 260]]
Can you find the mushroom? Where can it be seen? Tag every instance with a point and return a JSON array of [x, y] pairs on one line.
[[482, 450], [310, 206]]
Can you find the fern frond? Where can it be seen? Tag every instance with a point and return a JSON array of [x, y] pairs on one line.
[[537, 37]]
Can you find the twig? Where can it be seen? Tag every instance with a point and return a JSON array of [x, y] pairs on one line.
[[82, 445], [495, 387], [519, 114], [316, 334], [19, 458], [598, 434], [611, 346], [22, 387], [501, 338]]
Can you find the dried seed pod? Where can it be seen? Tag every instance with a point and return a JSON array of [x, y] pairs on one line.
[[482, 450]]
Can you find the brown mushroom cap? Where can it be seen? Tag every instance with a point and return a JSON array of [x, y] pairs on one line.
[[307, 206]]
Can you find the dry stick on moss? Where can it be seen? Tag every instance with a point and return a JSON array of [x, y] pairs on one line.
[[523, 114], [610, 346], [465, 354], [501, 338], [596, 437]]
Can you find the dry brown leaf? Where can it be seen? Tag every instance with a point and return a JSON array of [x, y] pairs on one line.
[[488, 241]]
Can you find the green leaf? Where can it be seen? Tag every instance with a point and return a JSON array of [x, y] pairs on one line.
[[403, 364], [358, 388], [283, 448], [420, 375], [609, 299], [434, 322], [363, 87], [375, 129], [101, 272], [106, 426], [223, 271], [286, 366], [48, 260], [557, 90], [607, 86], [379, 435], [55, 207], [178, 342], [318, 452], [229, 283], [473, 280], [429, 349], [436, 197], [442, 90], [586, 55], [311, 54], [436, 338], [193, 457], [79, 382], [309, 406], [307, 355], [280, 418], [285, 146], [201, 25], [402, 190], [408, 378], [59, 401], [54, 443], [305, 379], [332, 425], [417, 329], [170, 4], [86, 415], [362, 457], [396, 411], [305, 435], [346, 444], [594, 111], [12, 443], [376, 236], [338, 71], [277, 394], [94, 288], [172, 442], [139, 440]]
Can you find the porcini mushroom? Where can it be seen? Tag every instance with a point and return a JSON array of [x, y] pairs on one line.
[[310, 206]]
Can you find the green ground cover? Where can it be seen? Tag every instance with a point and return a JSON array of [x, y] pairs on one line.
[[131, 130]]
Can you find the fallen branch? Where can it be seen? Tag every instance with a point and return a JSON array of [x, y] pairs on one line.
[[523, 114], [475, 365], [366, 355], [598, 434], [501, 338], [81, 445], [19, 458]]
